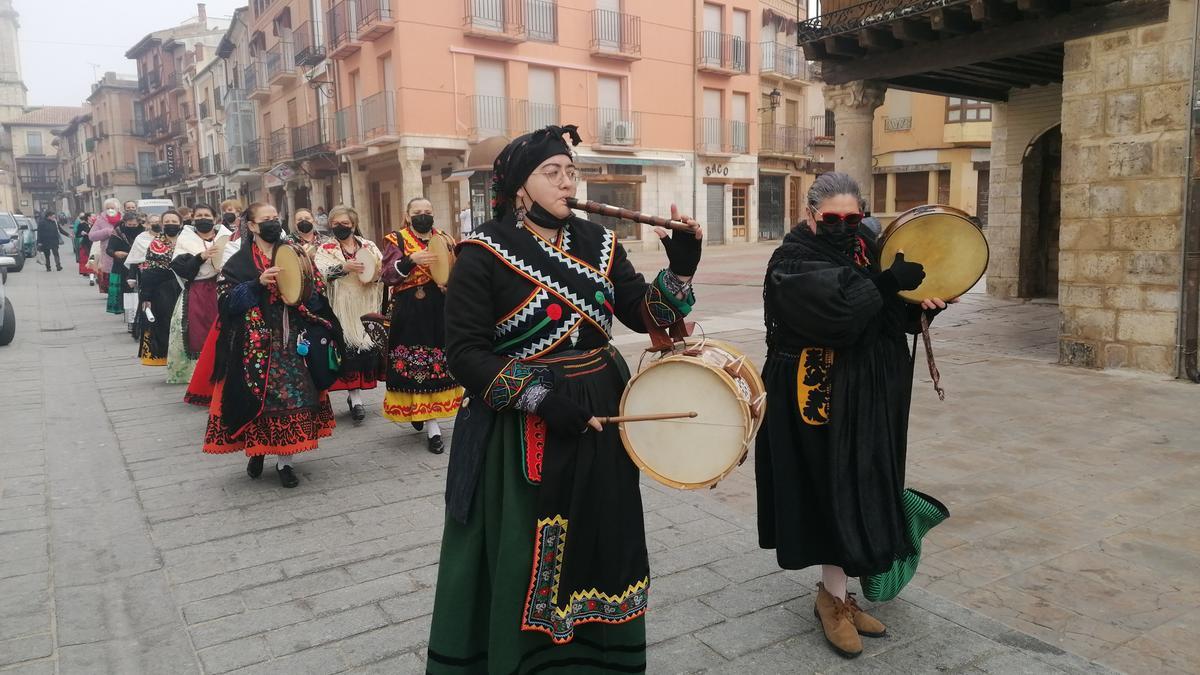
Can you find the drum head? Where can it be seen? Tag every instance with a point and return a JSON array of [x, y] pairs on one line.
[[685, 453], [370, 266], [952, 249], [289, 279]]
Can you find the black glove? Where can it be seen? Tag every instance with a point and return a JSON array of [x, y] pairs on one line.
[[901, 276], [683, 252], [563, 416]]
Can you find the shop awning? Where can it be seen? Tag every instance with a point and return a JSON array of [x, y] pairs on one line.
[[629, 161], [461, 174]]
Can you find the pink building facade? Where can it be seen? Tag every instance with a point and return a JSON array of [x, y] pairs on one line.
[[665, 95]]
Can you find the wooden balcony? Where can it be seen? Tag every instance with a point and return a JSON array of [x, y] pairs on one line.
[[979, 49]]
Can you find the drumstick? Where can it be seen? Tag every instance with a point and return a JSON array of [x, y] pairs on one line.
[[647, 418]]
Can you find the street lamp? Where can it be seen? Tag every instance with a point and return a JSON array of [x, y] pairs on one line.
[[776, 96]]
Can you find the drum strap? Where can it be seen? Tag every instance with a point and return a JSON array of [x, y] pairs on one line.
[[934, 374]]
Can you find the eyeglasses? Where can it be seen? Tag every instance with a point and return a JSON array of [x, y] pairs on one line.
[[834, 219], [555, 174]]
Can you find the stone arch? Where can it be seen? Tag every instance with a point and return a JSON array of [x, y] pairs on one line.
[[1041, 177]]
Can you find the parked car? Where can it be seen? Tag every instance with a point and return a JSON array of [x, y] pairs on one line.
[[28, 228], [12, 242], [8, 320]]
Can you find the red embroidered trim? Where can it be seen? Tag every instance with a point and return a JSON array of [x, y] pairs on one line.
[[535, 447]]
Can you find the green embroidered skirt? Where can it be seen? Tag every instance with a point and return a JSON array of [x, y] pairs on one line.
[[484, 577]]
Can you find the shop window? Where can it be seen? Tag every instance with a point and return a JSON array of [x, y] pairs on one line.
[[879, 193], [912, 190]]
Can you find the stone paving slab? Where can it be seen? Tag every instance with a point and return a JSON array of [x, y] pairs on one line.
[[124, 550]]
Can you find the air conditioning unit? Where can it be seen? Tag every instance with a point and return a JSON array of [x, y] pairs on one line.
[[619, 132]]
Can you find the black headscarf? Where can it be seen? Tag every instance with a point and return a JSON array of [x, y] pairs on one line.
[[519, 158]]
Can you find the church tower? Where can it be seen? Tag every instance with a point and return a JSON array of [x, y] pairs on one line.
[[12, 89]]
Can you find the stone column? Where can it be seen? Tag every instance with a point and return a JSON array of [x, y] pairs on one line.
[[289, 191], [361, 198], [411, 185], [853, 105]]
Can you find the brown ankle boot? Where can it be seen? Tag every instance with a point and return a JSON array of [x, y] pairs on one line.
[[863, 622], [838, 623]]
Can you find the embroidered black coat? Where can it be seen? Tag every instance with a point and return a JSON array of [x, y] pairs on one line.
[[830, 456]]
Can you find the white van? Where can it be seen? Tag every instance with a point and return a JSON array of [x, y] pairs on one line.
[[154, 207]]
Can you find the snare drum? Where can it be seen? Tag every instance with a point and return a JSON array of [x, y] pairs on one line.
[[946, 242], [296, 275], [716, 381]]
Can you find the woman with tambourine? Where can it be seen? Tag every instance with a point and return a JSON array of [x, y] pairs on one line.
[[350, 265], [830, 456], [264, 399]]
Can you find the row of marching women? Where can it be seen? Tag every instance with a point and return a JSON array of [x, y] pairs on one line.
[[198, 288]]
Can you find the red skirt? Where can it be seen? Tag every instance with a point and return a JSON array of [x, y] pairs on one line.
[[200, 389], [285, 432], [84, 252]]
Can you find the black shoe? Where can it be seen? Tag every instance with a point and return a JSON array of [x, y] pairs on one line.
[[60, 268], [358, 413], [436, 446], [287, 477], [254, 467], [419, 426]]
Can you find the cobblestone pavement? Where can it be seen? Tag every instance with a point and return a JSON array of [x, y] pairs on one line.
[[123, 549]]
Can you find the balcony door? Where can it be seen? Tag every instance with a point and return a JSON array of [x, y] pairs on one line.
[[488, 14], [712, 122], [491, 99], [543, 98], [608, 25], [711, 37]]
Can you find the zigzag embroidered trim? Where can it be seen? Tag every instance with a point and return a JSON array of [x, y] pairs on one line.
[[542, 612], [600, 317], [510, 381]]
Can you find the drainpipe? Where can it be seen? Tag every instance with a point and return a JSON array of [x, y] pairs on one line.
[[1189, 311], [695, 88]]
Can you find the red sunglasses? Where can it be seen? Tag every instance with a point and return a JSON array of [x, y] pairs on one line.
[[832, 219]]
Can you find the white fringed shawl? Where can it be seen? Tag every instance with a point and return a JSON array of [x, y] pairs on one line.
[[349, 297]]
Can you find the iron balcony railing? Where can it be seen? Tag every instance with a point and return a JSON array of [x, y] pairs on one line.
[[314, 138], [722, 51], [373, 11], [348, 128], [341, 23], [309, 49], [541, 20], [866, 14], [783, 60], [783, 139], [501, 17], [253, 79], [203, 110], [150, 81], [379, 115], [160, 170], [244, 155], [822, 128], [614, 126], [539, 115], [39, 180], [722, 136], [496, 116], [279, 60], [279, 146], [616, 33]]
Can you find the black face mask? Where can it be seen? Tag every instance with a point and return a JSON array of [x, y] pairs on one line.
[[186, 221], [544, 218], [132, 231], [156, 228], [228, 218], [203, 225], [342, 232], [172, 230], [304, 226], [423, 222], [270, 231], [843, 235]]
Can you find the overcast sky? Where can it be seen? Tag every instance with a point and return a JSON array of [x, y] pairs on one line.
[[61, 40]]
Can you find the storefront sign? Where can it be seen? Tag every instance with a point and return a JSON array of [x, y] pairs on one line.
[[716, 170]]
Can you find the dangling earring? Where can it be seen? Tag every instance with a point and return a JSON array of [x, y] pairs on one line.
[[520, 210]]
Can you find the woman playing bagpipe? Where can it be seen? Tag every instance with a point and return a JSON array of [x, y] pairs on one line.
[[543, 559]]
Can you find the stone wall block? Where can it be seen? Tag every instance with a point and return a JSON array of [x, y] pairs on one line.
[[1145, 234], [1152, 34], [1075, 295], [1105, 199], [1172, 155], [1163, 299], [1153, 268], [1075, 201], [1095, 267], [1177, 61], [1079, 83], [1130, 159], [1113, 72], [1115, 41], [1180, 20], [1082, 118], [1116, 356], [1090, 324], [1143, 298], [1078, 353], [1079, 162], [1156, 359], [1162, 197], [1144, 327], [1084, 235], [1123, 113], [1077, 55], [1146, 67], [1164, 108]]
